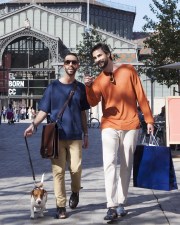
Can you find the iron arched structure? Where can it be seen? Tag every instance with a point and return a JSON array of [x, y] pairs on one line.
[[50, 42]]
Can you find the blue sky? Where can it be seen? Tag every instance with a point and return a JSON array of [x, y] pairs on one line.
[[142, 9]]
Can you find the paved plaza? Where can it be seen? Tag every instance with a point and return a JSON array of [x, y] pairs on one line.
[[145, 207]]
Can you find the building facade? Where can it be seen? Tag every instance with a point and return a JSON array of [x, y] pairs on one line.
[[36, 35]]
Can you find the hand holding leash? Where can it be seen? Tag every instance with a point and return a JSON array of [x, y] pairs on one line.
[[30, 130]]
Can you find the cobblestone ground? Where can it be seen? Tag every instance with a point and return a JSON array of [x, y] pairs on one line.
[[144, 206]]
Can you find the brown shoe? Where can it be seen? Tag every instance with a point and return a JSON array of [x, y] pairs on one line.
[[61, 213]]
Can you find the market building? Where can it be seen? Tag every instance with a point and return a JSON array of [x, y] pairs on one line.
[[35, 36]]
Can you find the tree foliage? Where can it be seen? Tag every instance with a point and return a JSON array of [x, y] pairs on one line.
[[164, 40], [90, 39]]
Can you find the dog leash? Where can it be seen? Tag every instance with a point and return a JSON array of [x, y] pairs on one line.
[[27, 147]]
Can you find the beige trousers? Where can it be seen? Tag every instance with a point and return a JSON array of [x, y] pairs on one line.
[[70, 152], [118, 145]]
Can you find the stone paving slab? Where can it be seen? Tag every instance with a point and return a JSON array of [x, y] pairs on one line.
[[146, 207]]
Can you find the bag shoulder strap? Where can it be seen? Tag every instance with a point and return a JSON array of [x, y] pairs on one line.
[[67, 101]]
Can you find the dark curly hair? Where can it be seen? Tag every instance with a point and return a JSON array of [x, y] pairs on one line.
[[103, 47]]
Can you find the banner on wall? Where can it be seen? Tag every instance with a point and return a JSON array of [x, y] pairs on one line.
[[172, 120]]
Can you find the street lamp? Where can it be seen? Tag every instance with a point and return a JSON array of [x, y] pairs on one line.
[[86, 38], [150, 72], [87, 16]]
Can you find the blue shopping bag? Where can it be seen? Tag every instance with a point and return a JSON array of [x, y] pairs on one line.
[[153, 168]]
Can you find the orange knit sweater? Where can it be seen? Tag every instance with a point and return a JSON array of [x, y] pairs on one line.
[[119, 99]]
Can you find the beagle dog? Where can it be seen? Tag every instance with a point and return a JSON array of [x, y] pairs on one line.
[[38, 199]]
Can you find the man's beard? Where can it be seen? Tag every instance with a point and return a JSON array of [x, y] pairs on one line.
[[70, 73], [102, 63]]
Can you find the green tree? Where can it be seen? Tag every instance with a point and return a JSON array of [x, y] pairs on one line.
[[164, 40], [90, 39]]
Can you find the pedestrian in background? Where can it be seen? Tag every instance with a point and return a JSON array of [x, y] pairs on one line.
[[120, 90], [10, 114], [72, 128], [29, 113], [23, 113], [4, 113], [18, 114], [33, 113]]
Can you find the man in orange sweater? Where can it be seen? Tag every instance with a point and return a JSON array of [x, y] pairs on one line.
[[120, 90]]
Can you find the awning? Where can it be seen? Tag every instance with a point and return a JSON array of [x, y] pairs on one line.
[[170, 66]]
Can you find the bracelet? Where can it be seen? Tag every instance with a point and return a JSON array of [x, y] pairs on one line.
[[85, 134]]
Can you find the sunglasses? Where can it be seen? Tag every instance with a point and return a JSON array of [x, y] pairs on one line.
[[68, 62], [112, 80]]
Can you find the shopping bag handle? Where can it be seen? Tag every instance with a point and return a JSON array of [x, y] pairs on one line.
[[152, 140]]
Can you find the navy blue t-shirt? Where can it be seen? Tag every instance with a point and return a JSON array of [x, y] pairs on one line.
[[53, 99]]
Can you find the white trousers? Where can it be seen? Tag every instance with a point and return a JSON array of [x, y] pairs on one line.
[[122, 144]]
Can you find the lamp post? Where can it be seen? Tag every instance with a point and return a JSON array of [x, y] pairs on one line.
[[87, 37], [150, 72], [87, 16]]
